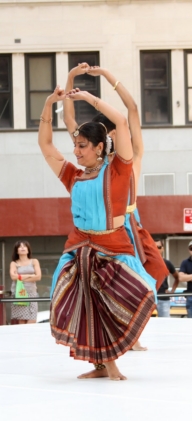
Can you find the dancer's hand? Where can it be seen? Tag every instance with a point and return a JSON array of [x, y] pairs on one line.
[[95, 71], [81, 69], [76, 95], [57, 95]]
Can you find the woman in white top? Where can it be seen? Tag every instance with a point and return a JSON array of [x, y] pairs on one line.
[[28, 270]]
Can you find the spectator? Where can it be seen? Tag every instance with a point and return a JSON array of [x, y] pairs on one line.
[[163, 305], [26, 269], [185, 275]]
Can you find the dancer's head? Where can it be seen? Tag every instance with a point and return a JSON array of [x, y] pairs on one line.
[[90, 142], [110, 126]]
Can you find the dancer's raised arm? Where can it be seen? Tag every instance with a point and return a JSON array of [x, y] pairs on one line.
[[53, 157], [68, 106], [123, 140], [133, 116]]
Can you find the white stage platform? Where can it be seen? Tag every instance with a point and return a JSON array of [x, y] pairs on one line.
[[38, 379]]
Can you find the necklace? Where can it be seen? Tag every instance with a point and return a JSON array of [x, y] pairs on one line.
[[90, 170]]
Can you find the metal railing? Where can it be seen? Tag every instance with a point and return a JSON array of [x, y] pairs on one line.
[[5, 300], [48, 299]]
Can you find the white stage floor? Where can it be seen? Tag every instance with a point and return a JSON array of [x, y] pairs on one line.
[[38, 379]]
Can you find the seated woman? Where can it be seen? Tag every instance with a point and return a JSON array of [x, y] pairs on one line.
[[102, 295]]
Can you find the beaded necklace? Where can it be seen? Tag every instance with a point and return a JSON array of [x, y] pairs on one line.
[[90, 170]]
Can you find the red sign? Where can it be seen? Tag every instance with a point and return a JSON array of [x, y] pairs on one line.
[[187, 220]]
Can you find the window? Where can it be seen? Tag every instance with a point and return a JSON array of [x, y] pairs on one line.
[[40, 82], [156, 87], [188, 85], [5, 91], [83, 110], [159, 184]]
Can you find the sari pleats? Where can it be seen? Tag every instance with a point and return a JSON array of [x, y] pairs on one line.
[[99, 307]]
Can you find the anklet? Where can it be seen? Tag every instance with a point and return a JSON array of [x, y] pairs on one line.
[[99, 366]]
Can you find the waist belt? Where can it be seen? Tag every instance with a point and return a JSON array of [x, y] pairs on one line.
[[131, 208], [92, 232]]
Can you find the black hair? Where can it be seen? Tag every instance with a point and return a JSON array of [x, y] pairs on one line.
[[94, 133], [15, 255], [159, 240], [101, 118]]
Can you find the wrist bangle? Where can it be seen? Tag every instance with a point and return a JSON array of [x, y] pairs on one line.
[[116, 83], [45, 121], [20, 277], [96, 103]]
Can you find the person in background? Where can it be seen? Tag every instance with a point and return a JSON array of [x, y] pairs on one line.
[[163, 305], [26, 269], [185, 275]]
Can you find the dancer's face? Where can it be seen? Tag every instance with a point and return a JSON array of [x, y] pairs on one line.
[[86, 153]]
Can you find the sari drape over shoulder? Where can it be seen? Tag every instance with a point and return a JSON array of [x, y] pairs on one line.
[[102, 297], [144, 244]]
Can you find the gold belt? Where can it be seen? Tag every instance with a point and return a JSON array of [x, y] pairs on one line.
[[92, 232], [131, 208]]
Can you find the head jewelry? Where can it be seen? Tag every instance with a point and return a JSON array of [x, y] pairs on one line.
[[108, 138]]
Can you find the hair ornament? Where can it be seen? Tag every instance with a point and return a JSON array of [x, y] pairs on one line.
[[103, 126], [108, 144], [76, 132]]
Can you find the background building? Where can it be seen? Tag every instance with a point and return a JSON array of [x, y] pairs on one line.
[[148, 45]]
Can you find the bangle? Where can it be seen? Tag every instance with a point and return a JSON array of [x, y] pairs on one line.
[[45, 121], [96, 104], [20, 277], [116, 83]]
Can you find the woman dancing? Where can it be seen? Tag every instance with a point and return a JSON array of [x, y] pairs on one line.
[[102, 295], [144, 246]]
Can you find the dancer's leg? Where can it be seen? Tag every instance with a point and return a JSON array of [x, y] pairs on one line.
[[99, 371], [138, 347]]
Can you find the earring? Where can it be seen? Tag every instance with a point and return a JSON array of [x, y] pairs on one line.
[[99, 156]]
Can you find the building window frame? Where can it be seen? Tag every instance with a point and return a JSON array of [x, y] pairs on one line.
[[92, 58], [8, 91], [169, 87], [186, 52], [31, 123], [158, 174]]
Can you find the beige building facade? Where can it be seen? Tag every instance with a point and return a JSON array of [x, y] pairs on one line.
[[120, 32], [146, 44]]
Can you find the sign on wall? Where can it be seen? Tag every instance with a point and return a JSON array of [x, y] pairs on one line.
[[187, 220]]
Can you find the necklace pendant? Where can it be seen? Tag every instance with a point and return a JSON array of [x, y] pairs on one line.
[[90, 170]]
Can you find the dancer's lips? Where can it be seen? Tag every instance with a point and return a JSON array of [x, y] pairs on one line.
[[79, 157]]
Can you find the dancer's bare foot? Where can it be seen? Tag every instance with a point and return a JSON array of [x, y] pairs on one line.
[[94, 374], [113, 371], [138, 347]]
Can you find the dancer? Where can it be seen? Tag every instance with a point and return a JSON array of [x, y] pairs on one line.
[[145, 246], [132, 220], [135, 131], [102, 297]]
